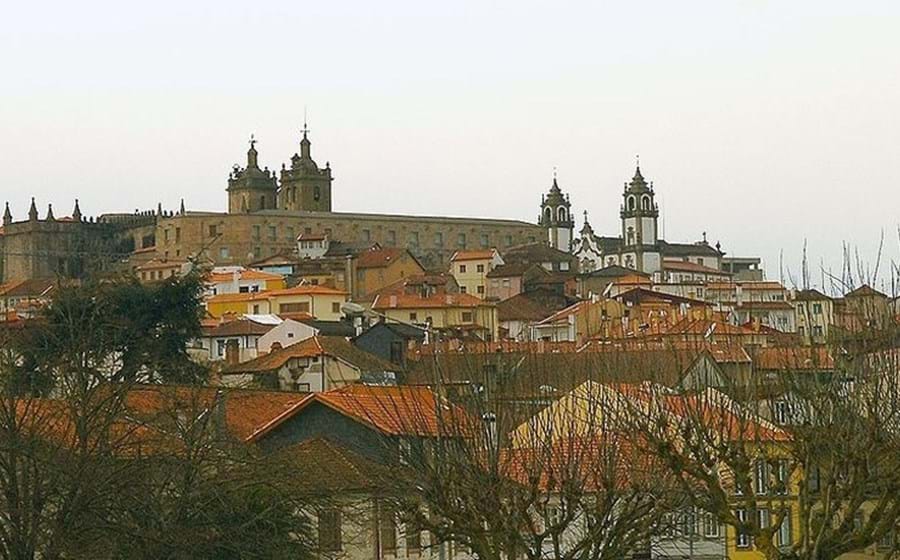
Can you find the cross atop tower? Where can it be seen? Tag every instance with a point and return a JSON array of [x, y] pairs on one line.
[[252, 141]]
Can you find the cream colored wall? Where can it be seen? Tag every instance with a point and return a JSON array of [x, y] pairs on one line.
[[321, 306], [471, 279]]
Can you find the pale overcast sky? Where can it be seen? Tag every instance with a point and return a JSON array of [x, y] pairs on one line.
[[761, 122]]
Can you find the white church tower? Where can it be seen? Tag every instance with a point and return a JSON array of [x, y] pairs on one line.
[[556, 217], [640, 233]]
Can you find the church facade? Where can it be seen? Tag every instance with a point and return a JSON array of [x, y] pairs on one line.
[[638, 245]]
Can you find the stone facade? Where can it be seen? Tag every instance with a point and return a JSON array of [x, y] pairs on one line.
[[67, 247], [230, 239]]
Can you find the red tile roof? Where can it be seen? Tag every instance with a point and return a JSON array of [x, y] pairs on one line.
[[379, 258], [334, 346], [400, 410], [474, 255], [245, 410]]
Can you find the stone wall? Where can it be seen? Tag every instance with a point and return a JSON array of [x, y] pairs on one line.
[[231, 239]]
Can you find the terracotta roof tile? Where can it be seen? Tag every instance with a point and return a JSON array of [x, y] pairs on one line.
[[400, 410], [334, 346], [473, 255], [378, 258]]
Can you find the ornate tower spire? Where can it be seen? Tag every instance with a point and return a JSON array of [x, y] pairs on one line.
[[32, 211], [50, 217], [76, 213], [252, 154], [305, 143], [181, 208], [556, 217], [7, 216]]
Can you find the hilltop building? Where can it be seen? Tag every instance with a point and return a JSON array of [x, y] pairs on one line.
[[639, 245]]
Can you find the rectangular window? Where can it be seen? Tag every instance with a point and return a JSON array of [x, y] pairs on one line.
[[479, 268], [391, 237], [462, 269], [256, 232], [330, 530], [480, 289], [462, 289], [783, 477], [412, 239], [742, 539], [302, 307], [817, 308], [335, 307], [762, 476], [508, 241], [273, 233], [466, 316], [366, 235], [817, 330], [461, 240], [289, 233], [780, 412], [223, 252], [710, 526], [784, 532], [485, 241], [413, 316], [178, 235], [213, 231], [166, 235], [438, 239]]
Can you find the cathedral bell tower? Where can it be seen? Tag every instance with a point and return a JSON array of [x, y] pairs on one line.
[[640, 215], [556, 217], [304, 186], [251, 189]]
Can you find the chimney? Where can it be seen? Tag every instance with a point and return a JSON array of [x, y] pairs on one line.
[[232, 353]]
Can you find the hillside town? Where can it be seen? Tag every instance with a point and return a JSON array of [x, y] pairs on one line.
[[464, 388]]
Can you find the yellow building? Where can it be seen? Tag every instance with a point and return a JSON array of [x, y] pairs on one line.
[[321, 302], [455, 314], [470, 269]]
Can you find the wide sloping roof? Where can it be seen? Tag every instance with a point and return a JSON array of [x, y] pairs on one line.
[[520, 307], [395, 410], [334, 346]]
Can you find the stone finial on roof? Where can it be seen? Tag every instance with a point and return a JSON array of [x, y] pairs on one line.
[[7, 215], [76, 212], [50, 217], [32, 211]]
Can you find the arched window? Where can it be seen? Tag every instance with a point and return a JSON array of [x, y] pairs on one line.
[[561, 214], [631, 203], [630, 235], [262, 203], [629, 261], [645, 202], [548, 215], [317, 193]]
